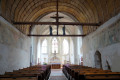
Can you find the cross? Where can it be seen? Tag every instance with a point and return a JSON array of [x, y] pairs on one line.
[[57, 20], [57, 17]]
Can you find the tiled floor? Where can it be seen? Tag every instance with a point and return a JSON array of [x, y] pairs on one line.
[[56, 74]]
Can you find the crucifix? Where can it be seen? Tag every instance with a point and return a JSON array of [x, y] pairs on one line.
[[57, 17]]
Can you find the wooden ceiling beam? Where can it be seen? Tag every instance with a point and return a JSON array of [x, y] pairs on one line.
[[56, 23], [36, 35]]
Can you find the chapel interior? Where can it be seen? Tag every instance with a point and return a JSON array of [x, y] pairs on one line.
[[48, 37]]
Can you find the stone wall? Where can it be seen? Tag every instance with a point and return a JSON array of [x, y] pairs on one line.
[[14, 48], [106, 40]]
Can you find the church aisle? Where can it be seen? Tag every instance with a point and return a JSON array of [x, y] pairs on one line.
[[57, 74]]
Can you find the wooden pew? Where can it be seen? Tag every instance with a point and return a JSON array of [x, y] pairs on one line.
[[86, 73], [20, 78], [39, 72], [101, 76]]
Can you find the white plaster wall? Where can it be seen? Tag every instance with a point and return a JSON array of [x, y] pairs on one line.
[[106, 40], [14, 48]]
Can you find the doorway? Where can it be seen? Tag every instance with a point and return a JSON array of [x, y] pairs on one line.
[[98, 61]]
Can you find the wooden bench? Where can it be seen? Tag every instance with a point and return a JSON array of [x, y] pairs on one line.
[[101, 76], [20, 78], [30, 73], [86, 73]]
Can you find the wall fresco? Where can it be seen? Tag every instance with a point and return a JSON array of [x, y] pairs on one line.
[[107, 37]]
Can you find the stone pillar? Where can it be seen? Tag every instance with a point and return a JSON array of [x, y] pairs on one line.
[[75, 51]]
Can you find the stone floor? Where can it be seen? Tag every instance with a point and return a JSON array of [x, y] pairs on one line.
[[57, 74]]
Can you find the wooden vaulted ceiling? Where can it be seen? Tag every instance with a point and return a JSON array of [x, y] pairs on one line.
[[89, 11]]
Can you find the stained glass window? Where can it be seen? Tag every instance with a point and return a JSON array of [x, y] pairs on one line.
[[54, 45]]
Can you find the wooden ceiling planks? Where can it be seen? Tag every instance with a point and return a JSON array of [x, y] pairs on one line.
[[84, 10]]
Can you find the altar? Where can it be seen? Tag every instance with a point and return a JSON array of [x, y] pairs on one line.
[[55, 65], [55, 62]]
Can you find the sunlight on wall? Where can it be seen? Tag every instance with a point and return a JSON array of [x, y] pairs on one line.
[[65, 46], [44, 46]]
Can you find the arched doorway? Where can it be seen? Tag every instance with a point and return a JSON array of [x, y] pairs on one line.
[[98, 61]]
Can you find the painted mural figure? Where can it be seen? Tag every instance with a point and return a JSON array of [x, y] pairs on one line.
[[50, 30], [63, 30]]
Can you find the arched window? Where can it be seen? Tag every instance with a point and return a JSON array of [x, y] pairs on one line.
[[65, 47], [44, 46], [54, 45]]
